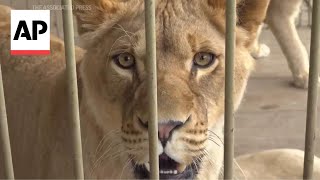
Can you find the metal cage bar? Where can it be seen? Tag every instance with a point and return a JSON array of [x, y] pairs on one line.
[[72, 87], [229, 74], [312, 92], [4, 135], [151, 65]]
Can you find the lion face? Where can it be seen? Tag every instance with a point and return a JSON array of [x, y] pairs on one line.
[[190, 70]]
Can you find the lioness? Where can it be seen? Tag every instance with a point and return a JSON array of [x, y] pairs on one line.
[[280, 18], [112, 91]]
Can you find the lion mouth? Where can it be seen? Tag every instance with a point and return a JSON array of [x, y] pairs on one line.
[[168, 169]]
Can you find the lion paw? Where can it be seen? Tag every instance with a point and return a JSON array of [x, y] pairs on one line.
[[302, 81], [261, 52]]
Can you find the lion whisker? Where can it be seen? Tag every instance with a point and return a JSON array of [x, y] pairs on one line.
[[109, 147], [126, 164], [207, 156], [112, 46], [195, 164], [212, 132], [122, 29], [241, 170], [106, 137], [212, 140], [113, 155], [95, 164]]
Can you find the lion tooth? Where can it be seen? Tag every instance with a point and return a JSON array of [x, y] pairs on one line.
[[181, 168], [147, 165], [161, 171]]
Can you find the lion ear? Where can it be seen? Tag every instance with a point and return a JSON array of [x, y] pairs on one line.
[[219, 4], [91, 14], [251, 14]]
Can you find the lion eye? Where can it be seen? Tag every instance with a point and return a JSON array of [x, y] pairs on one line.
[[124, 60], [203, 59]]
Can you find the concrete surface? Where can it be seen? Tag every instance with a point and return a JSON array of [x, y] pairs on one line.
[[273, 113]]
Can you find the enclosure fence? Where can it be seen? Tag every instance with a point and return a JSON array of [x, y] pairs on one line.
[[152, 94]]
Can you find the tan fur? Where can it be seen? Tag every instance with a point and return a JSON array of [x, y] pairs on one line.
[[112, 99], [280, 18], [274, 165]]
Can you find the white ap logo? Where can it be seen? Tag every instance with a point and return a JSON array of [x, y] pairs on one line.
[[30, 32]]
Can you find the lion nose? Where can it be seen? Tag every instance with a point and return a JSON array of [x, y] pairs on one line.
[[165, 130]]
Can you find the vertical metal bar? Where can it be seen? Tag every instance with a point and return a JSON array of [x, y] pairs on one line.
[[312, 92], [4, 135], [72, 87], [151, 65], [229, 70], [309, 12]]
